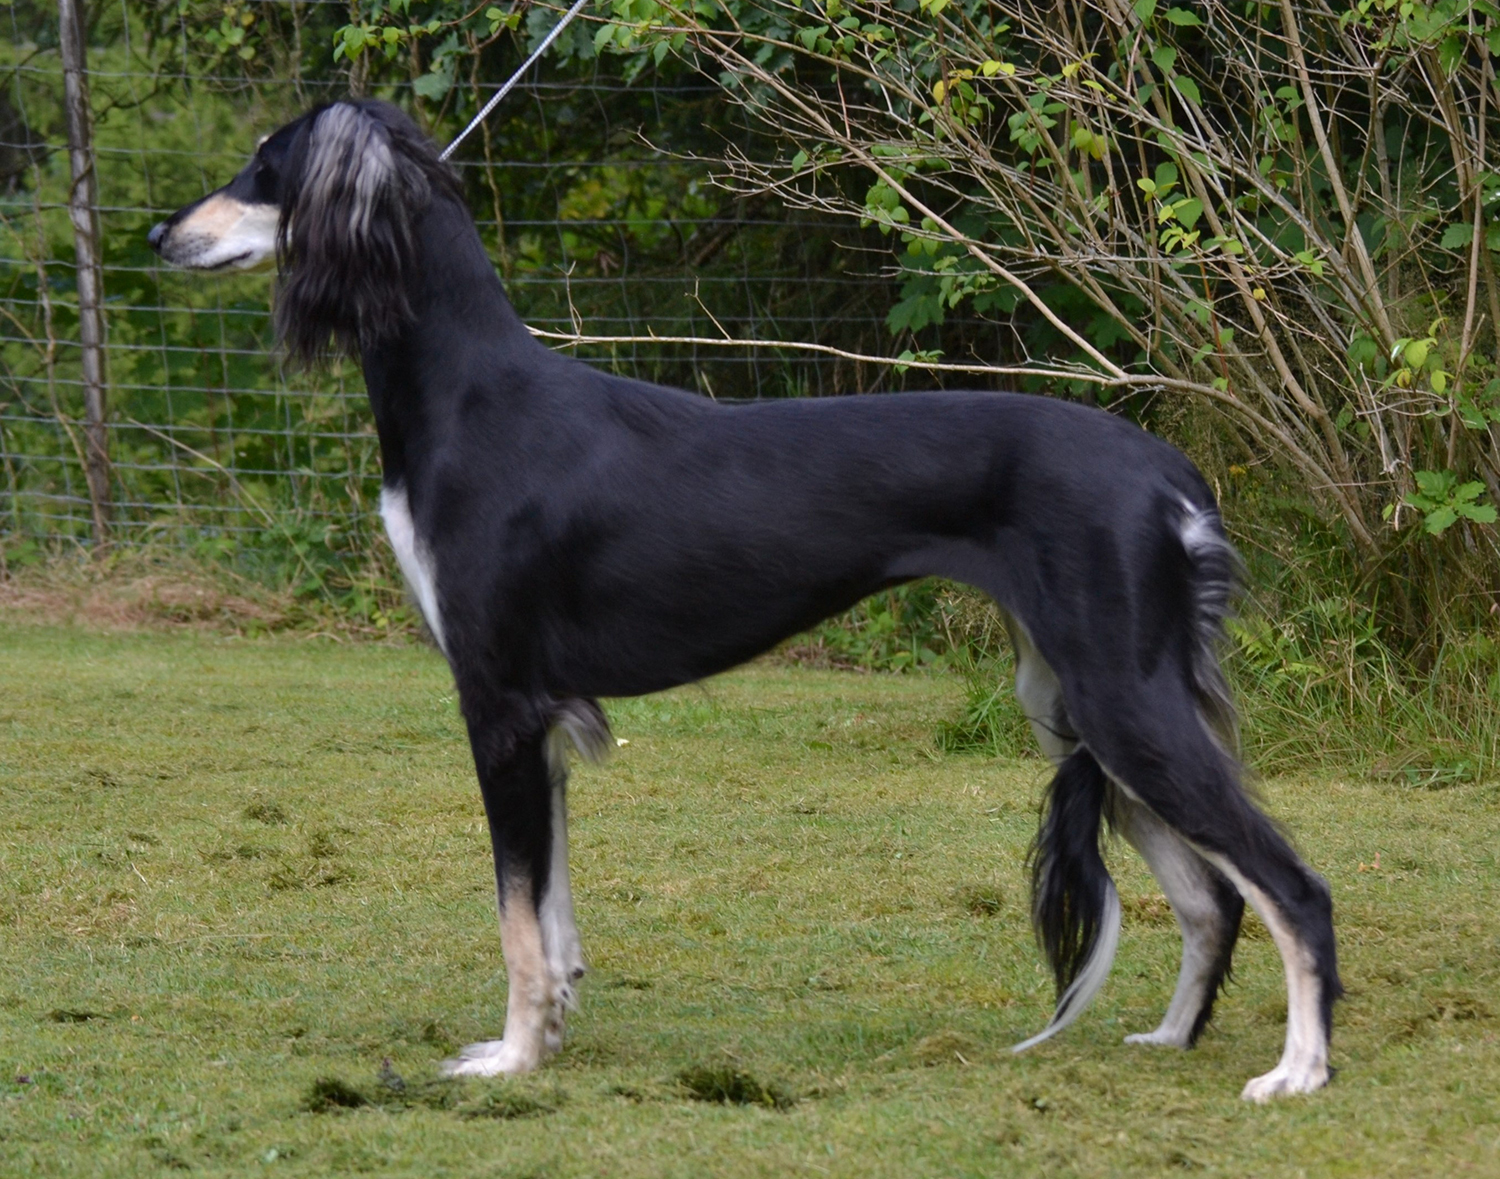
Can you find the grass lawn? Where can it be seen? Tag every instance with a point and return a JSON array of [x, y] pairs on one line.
[[238, 878]]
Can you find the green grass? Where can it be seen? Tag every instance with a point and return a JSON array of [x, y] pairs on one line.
[[237, 878]]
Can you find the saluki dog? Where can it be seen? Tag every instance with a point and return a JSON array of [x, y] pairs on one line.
[[570, 535]]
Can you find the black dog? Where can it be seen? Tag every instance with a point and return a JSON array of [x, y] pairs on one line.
[[570, 534]]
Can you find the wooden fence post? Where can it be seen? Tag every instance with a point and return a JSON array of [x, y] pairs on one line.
[[83, 210]]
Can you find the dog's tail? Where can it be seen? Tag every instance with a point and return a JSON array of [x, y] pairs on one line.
[[1215, 580], [1074, 906], [581, 723]]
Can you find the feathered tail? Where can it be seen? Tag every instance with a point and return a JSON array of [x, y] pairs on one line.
[[1074, 906]]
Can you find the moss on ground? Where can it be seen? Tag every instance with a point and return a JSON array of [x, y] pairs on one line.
[[246, 906]]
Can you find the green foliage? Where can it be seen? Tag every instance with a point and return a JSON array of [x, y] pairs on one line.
[[1316, 674], [205, 432], [1443, 501], [923, 625], [991, 723]]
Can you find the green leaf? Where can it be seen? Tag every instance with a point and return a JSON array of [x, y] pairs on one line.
[[1182, 18], [1451, 52], [1439, 520], [1434, 483], [1363, 351], [349, 42], [1164, 57], [1471, 415], [433, 86], [1479, 513], [1145, 9], [931, 356], [1188, 211], [1458, 235], [1188, 89]]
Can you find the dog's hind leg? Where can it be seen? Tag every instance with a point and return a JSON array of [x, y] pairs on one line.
[[522, 797], [1162, 754], [1297, 907], [1208, 911], [1206, 905]]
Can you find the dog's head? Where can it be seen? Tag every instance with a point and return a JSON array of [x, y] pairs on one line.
[[332, 197]]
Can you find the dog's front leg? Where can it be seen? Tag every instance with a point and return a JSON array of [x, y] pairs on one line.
[[522, 802]]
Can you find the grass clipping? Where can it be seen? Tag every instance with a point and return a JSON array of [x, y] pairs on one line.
[[723, 1084], [393, 1093]]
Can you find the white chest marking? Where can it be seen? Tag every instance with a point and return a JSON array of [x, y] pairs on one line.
[[415, 559]]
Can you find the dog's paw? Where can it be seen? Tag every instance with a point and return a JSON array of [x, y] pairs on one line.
[[490, 1058], [1160, 1038], [1285, 1080]]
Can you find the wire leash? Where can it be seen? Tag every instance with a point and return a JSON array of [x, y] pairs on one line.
[[515, 77]]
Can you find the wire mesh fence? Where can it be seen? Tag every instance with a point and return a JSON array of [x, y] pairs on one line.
[[584, 188]]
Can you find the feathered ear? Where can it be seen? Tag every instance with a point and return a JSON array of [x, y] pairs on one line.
[[345, 247]]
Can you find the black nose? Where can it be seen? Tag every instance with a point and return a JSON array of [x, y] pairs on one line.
[[158, 231]]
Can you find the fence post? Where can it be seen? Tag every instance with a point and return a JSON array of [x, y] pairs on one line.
[[83, 210]]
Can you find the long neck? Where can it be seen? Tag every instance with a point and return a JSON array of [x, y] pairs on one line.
[[464, 337]]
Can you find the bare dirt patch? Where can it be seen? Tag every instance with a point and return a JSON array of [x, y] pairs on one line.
[[115, 598]]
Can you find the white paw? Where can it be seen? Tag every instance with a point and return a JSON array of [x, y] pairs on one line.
[[490, 1058], [1158, 1037], [1284, 1080]]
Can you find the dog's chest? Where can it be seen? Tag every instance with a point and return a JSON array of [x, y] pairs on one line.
[[414, 556]]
